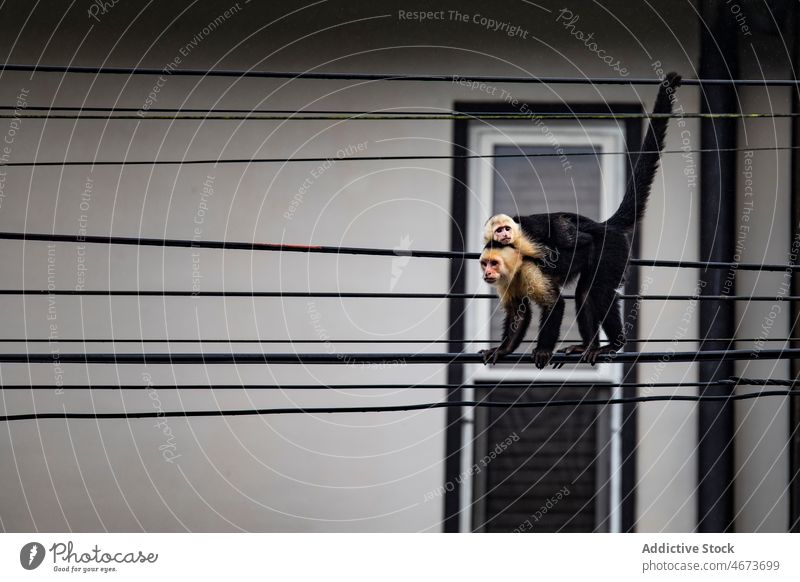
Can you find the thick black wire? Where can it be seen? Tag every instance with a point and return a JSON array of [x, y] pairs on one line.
[[358, 295], [337, 250], [389, 359], [397, 408], [248, 73], [318, 159], [342, 387]]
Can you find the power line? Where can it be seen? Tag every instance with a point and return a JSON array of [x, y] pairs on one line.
[[309, 75], [323, 249], [255, 115], [291, 114], [764, 381], [317, 159], [357, 295], [91, 340], [386, 359], [397, 408], [344, 387]]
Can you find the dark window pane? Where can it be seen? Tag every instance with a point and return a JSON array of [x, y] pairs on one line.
[[556, 452], [534, 185]]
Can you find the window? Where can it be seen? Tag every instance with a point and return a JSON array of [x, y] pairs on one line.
[[543, 469], [572, 450], [585, 184]]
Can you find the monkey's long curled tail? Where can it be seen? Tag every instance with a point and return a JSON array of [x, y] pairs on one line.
[[633, 205]]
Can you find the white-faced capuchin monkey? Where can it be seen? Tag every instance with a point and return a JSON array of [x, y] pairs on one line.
[[564, 247]]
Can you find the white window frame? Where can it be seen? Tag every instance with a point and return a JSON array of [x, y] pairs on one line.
[[482, 141]]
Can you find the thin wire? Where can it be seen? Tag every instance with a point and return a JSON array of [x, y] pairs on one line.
[[397, 408], [291, 114], [357, 295], [360, 341], [386, 359], [243, 246], [183, 115], [343, 387], [764, 381], [218, 161], [298, 75]]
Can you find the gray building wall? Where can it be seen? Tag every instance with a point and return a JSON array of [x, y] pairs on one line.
[[313, 473]]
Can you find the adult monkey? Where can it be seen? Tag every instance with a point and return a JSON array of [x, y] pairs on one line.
[[520, 282], [594, 253]]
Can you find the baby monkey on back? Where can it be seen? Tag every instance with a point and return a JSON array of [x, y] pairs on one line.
[[530, 258]]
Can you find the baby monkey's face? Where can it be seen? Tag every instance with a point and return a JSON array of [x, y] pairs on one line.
[[503, 234]]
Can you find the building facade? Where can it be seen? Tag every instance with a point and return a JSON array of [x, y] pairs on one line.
[[632, 468]]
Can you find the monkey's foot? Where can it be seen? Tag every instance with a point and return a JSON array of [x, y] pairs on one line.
[[573, 349], [490, 356], [591, 356], [541, 357]]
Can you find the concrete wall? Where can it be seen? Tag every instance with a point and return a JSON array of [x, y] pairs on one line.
[[325, 473]]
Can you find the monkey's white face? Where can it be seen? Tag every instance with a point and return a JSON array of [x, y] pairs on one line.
[[503, 234]]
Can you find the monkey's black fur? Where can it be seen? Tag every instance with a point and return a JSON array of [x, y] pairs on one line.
[[596, 253]]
